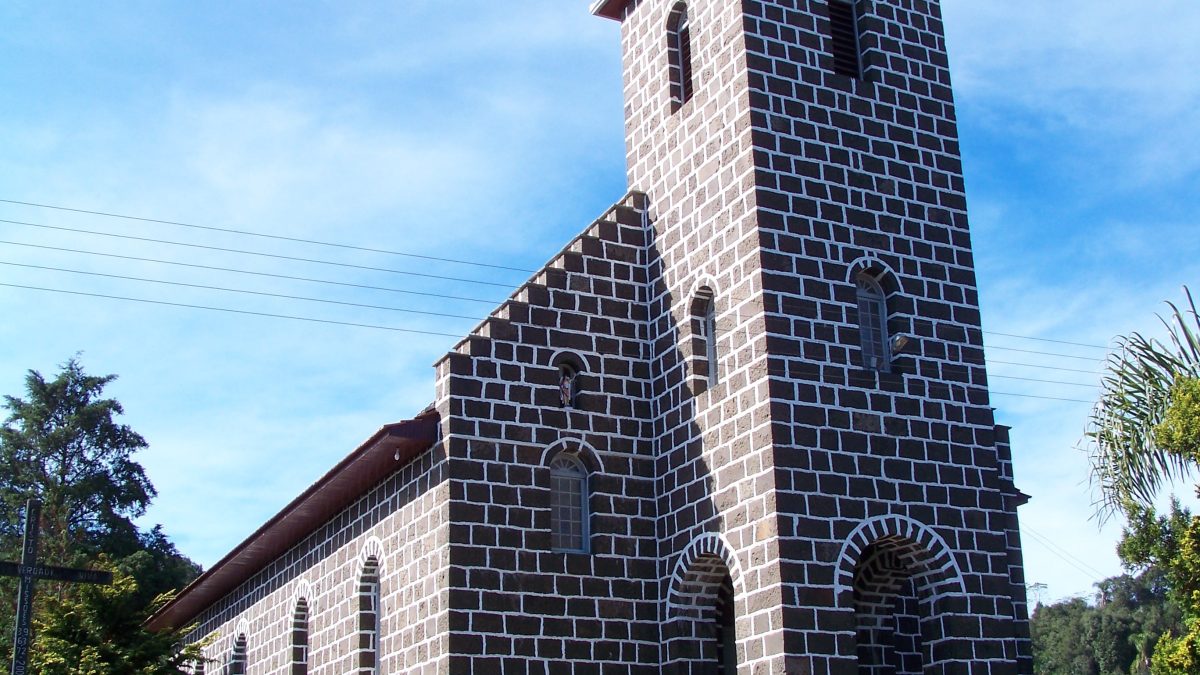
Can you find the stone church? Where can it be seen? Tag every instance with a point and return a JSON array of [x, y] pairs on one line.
[[740, 424]]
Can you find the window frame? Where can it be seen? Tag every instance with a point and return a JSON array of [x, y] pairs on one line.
[[370, 604], [680, 56], [845, 35], [567, 469], [300, 643], [872, 302]]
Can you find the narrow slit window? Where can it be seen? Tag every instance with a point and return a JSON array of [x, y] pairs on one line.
[[370, 616], [679, 50], [237, 660], [568, 504], [872, 322], [300, 638], [844, 35], [704, 337], [708, 333]]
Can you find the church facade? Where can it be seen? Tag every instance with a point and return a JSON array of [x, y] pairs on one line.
[[740, 424]]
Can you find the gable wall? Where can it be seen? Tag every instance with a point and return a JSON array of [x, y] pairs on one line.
[[516, 604]]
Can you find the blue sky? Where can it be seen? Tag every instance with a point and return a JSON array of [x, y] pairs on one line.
[[491, 132]]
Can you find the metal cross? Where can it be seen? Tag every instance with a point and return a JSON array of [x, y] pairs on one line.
[[28, 570]]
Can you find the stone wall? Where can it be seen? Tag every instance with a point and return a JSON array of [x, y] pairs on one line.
[[403, 523]]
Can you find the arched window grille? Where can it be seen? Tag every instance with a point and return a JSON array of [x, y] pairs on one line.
[[872, 322], [568, 504], [370, 616], [300, 638], [237, 659], [679, 51]]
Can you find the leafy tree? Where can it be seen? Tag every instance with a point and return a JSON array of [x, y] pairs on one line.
[[1058, 644], [1144, 433], [1139, 430], [98, 630], [62, 444], [1115, 635]]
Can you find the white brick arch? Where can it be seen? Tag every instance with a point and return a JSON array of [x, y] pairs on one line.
[[697, 576], [372, 547], [874, 267], [302, 590], [704, 282], [584, 362], [935, 570], [577, 447]]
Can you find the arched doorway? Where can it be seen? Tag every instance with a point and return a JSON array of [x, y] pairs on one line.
[[702, 608]]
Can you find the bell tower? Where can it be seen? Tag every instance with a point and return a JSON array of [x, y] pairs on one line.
[[834, 495]]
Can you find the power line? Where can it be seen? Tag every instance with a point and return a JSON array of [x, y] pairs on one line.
[[234, 311], [1064, 554], [245, 291], [1031, 379], [253, 273], [1046, 398], [1061, 356], [258, 253], [1035, 365], [359, 325], [392, 252], [251, 233], [1038, 339]]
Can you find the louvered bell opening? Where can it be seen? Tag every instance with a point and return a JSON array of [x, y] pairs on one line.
[[685, 63], [843, 28]]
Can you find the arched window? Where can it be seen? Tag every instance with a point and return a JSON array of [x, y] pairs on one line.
[[300, 638], [844, 37], [568, 504], [370, 616], [237, 659], [679, 53], [701, 631], [872, 322], [704, 338]]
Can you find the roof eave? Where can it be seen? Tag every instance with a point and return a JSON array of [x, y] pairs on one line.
[[389, 448], [609, 9]]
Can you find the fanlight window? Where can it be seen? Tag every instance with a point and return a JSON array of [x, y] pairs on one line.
[[568, 504]]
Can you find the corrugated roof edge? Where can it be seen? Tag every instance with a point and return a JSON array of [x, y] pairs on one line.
[[393, 446]]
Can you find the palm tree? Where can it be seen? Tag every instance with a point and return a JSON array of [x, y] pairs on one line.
[[1129, 464]]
